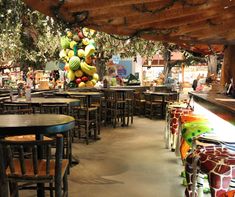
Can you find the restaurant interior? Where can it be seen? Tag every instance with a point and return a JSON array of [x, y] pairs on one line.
[[117, 98]]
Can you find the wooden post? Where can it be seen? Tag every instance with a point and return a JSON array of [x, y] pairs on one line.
[[212, 65], [228, 68], [182, 66]]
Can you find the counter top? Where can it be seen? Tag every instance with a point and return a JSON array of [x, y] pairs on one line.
[[220, 104]]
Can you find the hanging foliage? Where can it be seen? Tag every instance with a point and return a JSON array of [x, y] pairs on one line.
[[27, 37]]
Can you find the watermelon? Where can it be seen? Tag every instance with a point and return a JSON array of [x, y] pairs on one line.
[[74, 63], [65, 42]]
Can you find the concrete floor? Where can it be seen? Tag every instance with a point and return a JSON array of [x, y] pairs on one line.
[[126, 162], [129, 162]]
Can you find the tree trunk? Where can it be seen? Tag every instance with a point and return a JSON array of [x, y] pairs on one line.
[[228, 67], [166, 58], [212, 65]]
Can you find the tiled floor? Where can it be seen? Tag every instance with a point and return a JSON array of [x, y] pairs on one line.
[[126, 162]]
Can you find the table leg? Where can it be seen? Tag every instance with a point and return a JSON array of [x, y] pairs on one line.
[[3, 180], [163, 106], [40, 186]]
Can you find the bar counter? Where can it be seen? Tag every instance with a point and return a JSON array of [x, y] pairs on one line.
[[220, 104]]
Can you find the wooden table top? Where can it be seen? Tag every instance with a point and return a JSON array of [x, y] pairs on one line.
[[117, 89], [35, 124], [162, 93], [41, 100], [79, 93]]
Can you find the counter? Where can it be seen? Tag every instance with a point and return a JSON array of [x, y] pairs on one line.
[[221, 105]]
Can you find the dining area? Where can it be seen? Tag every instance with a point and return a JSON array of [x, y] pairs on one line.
[[37, 136]]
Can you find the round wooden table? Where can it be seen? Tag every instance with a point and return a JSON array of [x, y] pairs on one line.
[[88, 95], [38, 124], [41, 100]]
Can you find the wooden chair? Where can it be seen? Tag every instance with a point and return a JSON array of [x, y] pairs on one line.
[[31, 165]]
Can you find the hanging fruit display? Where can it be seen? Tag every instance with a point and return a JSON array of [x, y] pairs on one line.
[[78, 53]]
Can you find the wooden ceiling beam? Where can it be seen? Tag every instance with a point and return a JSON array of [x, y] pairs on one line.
[[211, 31], [81, 5], [172, 16], [208, 23], [176, 13], [121, 10], [182, 21]]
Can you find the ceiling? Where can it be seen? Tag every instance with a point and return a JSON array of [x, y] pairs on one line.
[[185, 22]]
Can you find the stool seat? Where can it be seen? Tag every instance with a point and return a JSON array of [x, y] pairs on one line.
[[215, 160], [25, 138]]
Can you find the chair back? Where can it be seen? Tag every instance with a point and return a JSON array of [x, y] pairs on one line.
[[54, 108], [148, 97], [31, 160], [83, 100], [172, 98], [129, 95], [17, 108], [110, 95]]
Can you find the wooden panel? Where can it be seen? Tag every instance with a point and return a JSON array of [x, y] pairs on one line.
[[197, 21]]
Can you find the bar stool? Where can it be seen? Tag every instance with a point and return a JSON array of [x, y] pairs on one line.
[[228, 194], [169, 107], [217, 161], [60, 108], [153, 105], [139, 103], [184, 146], [175, 114], [129, 98], [115, 107], [86, 117], [97, 101]]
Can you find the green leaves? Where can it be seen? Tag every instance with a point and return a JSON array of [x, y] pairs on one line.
[[27, 37]]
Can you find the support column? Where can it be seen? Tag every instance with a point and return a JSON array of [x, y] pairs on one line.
[[212, 65], [228, 67]]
